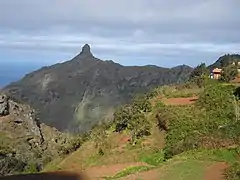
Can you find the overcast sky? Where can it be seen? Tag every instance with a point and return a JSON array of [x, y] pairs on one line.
[[131, 32]]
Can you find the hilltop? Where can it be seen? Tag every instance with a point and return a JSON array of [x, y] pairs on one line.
[[225, 60], [80, 93]]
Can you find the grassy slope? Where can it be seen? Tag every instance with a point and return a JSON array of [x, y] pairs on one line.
[[186, 166]]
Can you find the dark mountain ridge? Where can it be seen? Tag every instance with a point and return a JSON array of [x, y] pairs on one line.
[[81, 92], [225, 60]]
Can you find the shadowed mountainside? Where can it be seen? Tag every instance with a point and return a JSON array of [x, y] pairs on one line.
[[77, 94]]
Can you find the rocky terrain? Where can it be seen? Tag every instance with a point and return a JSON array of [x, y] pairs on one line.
[[77, 94], [25, 143]]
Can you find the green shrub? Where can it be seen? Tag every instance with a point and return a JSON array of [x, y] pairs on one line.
[[233, 173], [132, 117], [73, 144], [213, 118], [31, 167], [130, 170], [11, 165], [218, 104], [155, 158], [99, 136], [229, 73], [182, 130]]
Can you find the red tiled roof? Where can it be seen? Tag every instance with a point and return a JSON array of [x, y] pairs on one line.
[[217, 70]]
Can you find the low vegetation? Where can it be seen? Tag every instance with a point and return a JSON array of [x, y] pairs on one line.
[[201, 128], [179, 140], [130, 170]]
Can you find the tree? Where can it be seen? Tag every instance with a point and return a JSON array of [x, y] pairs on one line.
[[199, 71], [199, 75], [229, 73]]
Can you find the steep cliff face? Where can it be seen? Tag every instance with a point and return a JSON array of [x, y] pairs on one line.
[[79, 93], [23, 139]]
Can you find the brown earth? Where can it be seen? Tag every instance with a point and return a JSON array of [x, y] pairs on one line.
[[180, 101], [148, 175], [216, 171], [110, 170], [213, 172]]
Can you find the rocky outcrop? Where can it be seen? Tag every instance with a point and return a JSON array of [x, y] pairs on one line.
[[4, 106], [24, 140]]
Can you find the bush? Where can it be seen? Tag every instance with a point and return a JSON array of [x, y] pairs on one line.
[[122, 117], [218, 104], [139, 126], [99, 136], [73, 144], [182, 130], [210, 123], [229, 73], [199, 75], [11, 165], [132, 117], [155, 158], [32, 167], [233, 173]]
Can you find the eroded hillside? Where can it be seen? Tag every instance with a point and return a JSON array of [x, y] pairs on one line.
[[26, 144]]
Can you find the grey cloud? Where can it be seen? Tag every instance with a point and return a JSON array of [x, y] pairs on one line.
[[156, 26], [27, 13]]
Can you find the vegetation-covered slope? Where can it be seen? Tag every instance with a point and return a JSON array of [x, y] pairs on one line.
[[77, 94], [225, 60], [182, 140]]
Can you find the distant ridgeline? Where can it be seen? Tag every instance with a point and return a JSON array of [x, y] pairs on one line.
[[80, 93], [225, 60], [226, 68]]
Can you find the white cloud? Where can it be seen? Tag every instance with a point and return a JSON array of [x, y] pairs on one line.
[[138, 43]]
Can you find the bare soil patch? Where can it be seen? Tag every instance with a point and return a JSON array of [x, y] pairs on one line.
[[216, 171], [147, 175], [180, 101]]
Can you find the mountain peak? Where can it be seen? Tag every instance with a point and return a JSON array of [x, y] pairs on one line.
[[86, 50]]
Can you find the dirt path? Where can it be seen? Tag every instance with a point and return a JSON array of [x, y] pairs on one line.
[[147, 175], [180, 101], [110, 170], [94, 173], [215, 172]]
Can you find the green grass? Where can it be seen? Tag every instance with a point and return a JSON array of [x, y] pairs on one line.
[[154, 159], [186, 166], [53, 165], [185, 170], [220, 155], [183, 93], [130, 170]]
